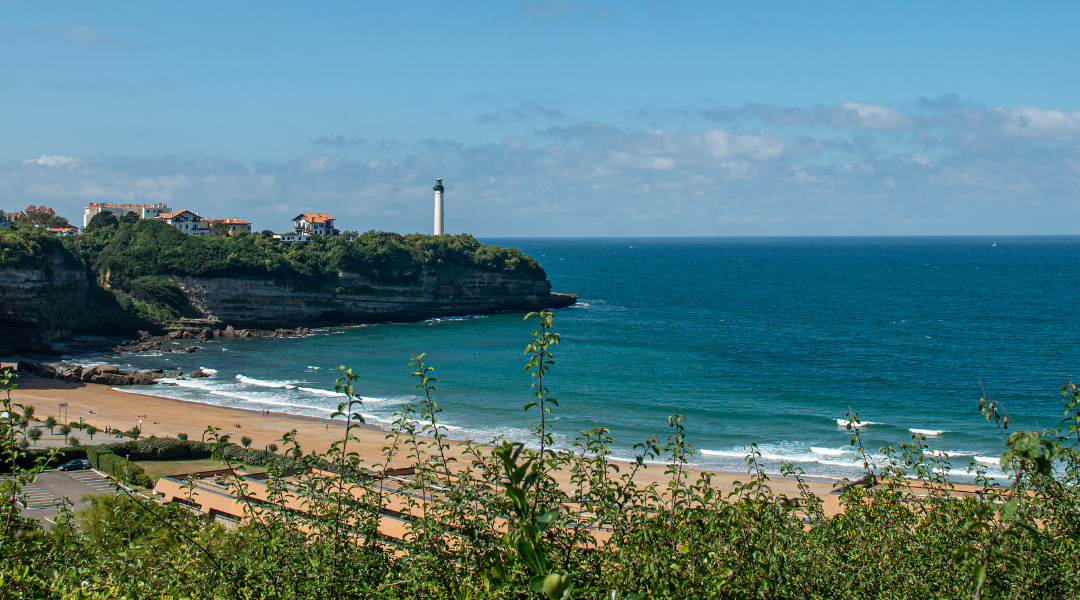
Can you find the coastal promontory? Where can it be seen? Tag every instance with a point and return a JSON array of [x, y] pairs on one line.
[[147, 275]]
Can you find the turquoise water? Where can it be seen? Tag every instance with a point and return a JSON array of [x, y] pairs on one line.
[[765, 339]]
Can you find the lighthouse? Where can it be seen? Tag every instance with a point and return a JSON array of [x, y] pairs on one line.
[[438, 206]]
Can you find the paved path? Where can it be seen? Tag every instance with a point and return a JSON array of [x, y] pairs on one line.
[[42, 494]]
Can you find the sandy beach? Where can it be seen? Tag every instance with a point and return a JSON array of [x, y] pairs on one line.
[[102, 406]]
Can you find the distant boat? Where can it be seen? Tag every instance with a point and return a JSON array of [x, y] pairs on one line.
[[994, 245]]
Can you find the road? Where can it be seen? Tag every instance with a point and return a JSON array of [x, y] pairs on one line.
[[50, 485]]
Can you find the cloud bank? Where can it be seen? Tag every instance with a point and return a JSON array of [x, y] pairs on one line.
[[940, 166]]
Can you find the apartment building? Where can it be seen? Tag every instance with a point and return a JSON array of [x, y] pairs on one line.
[[144, 211]]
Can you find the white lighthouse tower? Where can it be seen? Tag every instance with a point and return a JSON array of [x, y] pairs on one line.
[[438, 206]]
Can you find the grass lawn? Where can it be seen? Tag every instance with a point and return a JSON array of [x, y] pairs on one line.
[[155, 469]]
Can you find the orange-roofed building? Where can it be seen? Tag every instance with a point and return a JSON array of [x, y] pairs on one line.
[[232, 224], [62, 231], [314, 223], [186, 221], [8, 219], [143, 211]]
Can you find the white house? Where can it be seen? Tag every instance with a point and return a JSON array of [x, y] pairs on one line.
[[188, 222], [292, 237], [314, 223]]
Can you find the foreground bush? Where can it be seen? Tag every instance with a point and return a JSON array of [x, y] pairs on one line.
[[497, 525]]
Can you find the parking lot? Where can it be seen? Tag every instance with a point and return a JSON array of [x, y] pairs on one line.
[[42, 494]]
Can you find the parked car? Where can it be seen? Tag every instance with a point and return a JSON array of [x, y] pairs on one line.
[[75, 465]]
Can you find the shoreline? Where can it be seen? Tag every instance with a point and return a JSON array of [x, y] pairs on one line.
[[167, 417], [114, 345]]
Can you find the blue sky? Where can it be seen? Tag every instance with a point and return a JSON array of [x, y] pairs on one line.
[[552, 118]]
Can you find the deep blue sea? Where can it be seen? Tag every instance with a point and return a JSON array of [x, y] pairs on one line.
[[769, 339]]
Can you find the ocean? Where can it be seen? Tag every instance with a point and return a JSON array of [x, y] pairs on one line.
[[765, 339]]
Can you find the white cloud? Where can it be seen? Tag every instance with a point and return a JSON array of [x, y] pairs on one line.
[[84, 34], [857, 115], [761, 146], [1040, 124], [50, 161]]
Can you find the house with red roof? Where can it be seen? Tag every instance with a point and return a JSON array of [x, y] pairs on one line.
[[314, 223], [186, 221], [230, 225]]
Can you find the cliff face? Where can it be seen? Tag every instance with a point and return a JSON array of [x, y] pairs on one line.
[[40, 308], [36, 304], [259, 303]]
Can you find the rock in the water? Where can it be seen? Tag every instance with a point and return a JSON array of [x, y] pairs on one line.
[[229, 332], [72, 373], [144, 378], [112, 379], [197, 373], [174, 373]]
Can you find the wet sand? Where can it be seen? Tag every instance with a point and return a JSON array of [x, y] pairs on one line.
[[165, 417]]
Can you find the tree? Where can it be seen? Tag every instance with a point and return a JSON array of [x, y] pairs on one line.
[[132, 433], [130, 218], [40, 219], [74, 442], [91, 430], [272, 447], [181, 436], [102, 219], [245, 441], [219, 228], [34, 434], [28, 413], [50, 422], [64, 431]]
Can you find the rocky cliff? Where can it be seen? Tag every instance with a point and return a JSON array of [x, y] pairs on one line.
[[260, 303], [37, 306], [41, 308]]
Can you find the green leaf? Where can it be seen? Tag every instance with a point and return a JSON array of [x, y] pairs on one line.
[[546, 519], [532, 558]]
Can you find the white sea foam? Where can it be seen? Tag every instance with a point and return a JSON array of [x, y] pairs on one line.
[[930, 432], [270, 383], [320, 392], [269, 402], [989, 460], [188, 383], [313, 367], [208, 370], [828, 451], [844, 423], [941, 453]]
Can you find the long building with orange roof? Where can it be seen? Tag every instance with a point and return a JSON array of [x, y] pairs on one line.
[[230, 225], [144, 211]]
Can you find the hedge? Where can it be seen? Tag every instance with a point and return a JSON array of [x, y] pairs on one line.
[[121, 468], [63, 455]]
